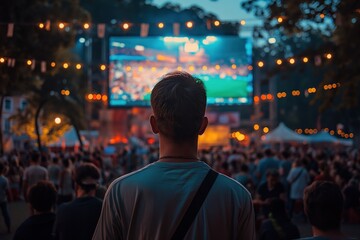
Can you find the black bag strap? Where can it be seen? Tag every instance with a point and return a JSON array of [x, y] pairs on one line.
[[297, 176], [195, 205]]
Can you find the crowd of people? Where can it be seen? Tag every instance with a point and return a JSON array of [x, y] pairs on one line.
[[275, 179], [173, 190]]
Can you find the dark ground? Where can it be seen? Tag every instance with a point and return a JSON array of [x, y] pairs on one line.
[[20, 211]]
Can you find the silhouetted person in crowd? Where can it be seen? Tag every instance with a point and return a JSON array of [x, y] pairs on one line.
[[77, 219], [272, 188], [151, 202], [34, 173], [269, 162], [278, 226], [323, 202], [39, 226], [4, 191]]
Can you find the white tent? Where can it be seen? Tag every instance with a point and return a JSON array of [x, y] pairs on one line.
[[283, 134], [323, 137]]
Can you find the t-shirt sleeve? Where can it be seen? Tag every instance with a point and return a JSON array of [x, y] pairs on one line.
[[246, 228], [109, 224]]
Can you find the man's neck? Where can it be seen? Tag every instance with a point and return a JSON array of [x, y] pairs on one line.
[[171, 151], [332, 234]]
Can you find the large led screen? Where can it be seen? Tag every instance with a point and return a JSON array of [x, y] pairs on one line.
[[223, 63]]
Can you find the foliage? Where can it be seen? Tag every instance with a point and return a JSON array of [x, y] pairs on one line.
[[50, 131], [337, 25], [29, 41]]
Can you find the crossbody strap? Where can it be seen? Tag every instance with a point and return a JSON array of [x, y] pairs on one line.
[[195, 205], [297, 176]]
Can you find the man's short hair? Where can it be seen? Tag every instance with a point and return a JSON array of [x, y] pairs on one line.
[[323, 202], [272, 173], [35, 156], [42, 196], [178, 101], [87, 176]]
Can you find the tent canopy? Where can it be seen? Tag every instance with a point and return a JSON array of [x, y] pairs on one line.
[[324, 137], [283, 134]]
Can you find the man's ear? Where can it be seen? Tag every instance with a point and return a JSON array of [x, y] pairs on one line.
[[153, 124], [203, 125]]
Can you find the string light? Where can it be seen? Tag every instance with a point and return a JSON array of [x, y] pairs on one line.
[[242, 22], [217, 67], [90, 96], [292, 60], [86, 26], [189, 24], [280, 19], [41, 25], [322, 15], [2, 60], [305, 59], [78, 66], [265, 129], [29, 62], [217, 23], [104, 98], [260, 64], [125, 26], [279, 62], [256, 127], [233, 66], [328, 56], [53, 64], [61, 25], [65, 65], [102, 67], [161, 25]]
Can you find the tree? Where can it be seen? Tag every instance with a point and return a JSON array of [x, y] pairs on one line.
[[337, 23], [61, 93], [36, 37]]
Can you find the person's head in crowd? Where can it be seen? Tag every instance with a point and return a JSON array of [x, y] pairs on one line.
[[178, 102], [42, 197], [35, 157], [286, 154], [268, 152], [55, 160], [272, 177], [66, 163], [323, 204], [87, 176], [244, 168]]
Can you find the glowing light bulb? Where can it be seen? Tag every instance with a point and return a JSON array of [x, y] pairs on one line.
[[189, 24]]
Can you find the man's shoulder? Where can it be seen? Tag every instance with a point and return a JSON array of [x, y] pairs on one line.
[[227, 183], [131, 177], [325, 238]]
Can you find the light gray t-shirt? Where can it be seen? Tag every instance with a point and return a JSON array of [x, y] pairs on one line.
[[35, 173], [150, 203], [299, 179]]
